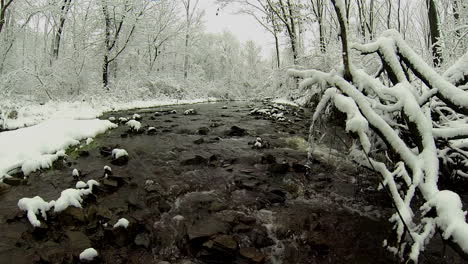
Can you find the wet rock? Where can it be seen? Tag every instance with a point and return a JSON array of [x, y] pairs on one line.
[[13, 181], [252, 254], [77, 240], [279, 168], [98, 212], [203, 131], [268, 159], [72, 216], [120, 161], [242, 228], [83, 153], [206, 228], [142, 240], [110, 183], [236, 131], [197, 160], [215, 124], [199, 141], [299, 168], [260, 238], [225, 242], [164, 206], [154, 188], [274, 198], [105, 151]]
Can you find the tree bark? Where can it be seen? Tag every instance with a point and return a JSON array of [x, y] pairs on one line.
[[107, 46], [3, 8], [58, 35], [344, 41], [434, 32]]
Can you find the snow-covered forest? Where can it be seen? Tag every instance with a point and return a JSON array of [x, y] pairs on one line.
[[370, 95]]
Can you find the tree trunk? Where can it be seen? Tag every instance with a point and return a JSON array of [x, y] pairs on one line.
[[186, 57], [434, 32], [344, 41], [107, 46], [277, 50], [3, 8], [58, 35]]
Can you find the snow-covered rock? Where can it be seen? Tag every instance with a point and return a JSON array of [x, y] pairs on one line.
[[89, 141], [81, 185], [88, 254], [122, 223], [190, 112], [134, 125], [73, 197], [136, 117], [117, 153], [76, 173], [34, 206]]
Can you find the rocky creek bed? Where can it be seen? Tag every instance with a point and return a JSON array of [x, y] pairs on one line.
[[198, 188]]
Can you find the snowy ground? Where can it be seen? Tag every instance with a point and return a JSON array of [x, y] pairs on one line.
[[36, 147]]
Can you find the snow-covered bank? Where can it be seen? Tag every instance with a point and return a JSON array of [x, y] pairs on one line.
[[33, 114], [39, 146]]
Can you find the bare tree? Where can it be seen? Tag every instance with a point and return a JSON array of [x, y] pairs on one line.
[[286, 12], [318, 9], [113, 28]]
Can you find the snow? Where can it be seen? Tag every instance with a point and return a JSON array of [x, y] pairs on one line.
[[458, 70], [136, 116], [122, 223], [34, 163], [450, 217], [73, 197], [88, 254], [34, 206], [107, 168], [133, 124], [37, 147], [117, 153], [69, 197], [75, 173], [81, 185], [89, 141]]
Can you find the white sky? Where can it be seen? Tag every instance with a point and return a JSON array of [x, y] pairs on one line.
[[242, 26]]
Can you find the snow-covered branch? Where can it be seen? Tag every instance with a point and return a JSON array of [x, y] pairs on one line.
[[415, 138]]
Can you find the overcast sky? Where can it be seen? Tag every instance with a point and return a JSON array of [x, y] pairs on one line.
[[242, 26]]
